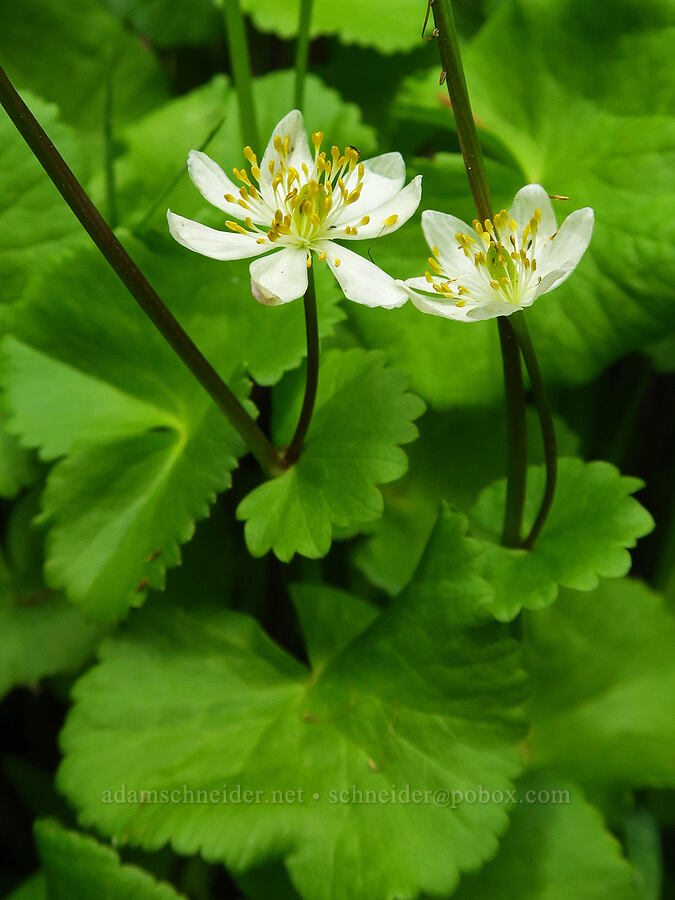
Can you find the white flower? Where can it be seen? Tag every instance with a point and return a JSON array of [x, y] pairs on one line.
[[500, 266], [297, 203]]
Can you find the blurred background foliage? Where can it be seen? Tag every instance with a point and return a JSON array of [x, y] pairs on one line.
[[572, 94]]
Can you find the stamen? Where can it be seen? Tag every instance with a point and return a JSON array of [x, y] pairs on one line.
[[250, 156], [390, 220]]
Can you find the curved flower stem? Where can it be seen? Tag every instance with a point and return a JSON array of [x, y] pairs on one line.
[[516, 434], [302, 51], [133, 279], [294, 451], [451, 60], [241, 69], [546, 422]]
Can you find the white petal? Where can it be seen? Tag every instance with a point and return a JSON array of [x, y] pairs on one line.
[[213, 243], [527, 200], [212, 183], [361, 280], [491, 309], [444, 308], [383, 178], [279, 277], [292, 126], [402, 205], [562, 254], [440, 230]]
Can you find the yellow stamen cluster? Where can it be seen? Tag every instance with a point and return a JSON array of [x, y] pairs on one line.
[[300, 206]]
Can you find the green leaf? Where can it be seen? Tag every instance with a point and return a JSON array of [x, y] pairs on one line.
[[388, 26], [556, 847], [603, 672], [473, 455], [65, 51], [36, 224], [17, 465], [87, 375], [40, 634], [77, 867], [426, 698], [574, 135], [33, 888], [592, 522], [168, 24], [362, 414]]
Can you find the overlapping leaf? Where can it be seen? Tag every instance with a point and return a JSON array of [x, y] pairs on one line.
[[603, 671], [591, 524], [168, 24], [77, 866], [65, 52], [556, 847], [457, 454], [426, 698], [36, 224], [40, 633], [87, 375], [362, 414]]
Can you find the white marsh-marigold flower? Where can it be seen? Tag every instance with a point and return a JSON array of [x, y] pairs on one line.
[[296, 203], [499, 266]]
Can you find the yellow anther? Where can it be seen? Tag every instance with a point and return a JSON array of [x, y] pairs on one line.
[[478, 228], [305, 170], [309, 262], [261, 241], [435, 266], [505, 281], [322, 255], [230, 198], [391, 220], [462, 290], [361, 171], [278, 145], [429, 277], [255, 171], [460, 303], [494, 285], [534, 265], [235, 226], [335, 153], [365, 220], [287, 144], [435, 251], [278, 217], [488, 226], [337, 262], [537, 216], [243, 192], [513, 225], [527, 230], [272, 235], [354, 196], [271, 166], [287, 221], [317, 140], [250, 156], [315, 220], [248, 222], [243, 204]]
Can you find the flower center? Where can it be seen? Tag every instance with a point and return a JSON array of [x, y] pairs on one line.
[[504, 258], [298, 207]]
